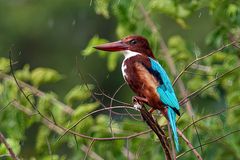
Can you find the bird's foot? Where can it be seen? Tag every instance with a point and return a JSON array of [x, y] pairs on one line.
[[138, 102], [137, 106]]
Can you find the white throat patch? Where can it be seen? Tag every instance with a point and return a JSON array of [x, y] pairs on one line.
[[127, 54]]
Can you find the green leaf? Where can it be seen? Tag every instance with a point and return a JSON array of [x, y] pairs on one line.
[[232, 9], [42, 75], [24, 74], [4, 65], [182, 12], [79, 93], [53, 157], [101, 7], [93, 42], [43, 134], [182, 23], [83, 109], [164, 6]]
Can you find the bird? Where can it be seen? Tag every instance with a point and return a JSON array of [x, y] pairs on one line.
[[146, 77]]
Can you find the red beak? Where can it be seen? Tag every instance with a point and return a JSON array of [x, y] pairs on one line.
[[112, 47]]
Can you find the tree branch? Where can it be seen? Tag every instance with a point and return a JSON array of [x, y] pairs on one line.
[[11, 153], [209, 142], [201, 58], [158, 131], [198, 156]]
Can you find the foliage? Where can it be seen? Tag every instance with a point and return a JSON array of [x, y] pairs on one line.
[[19, 118]]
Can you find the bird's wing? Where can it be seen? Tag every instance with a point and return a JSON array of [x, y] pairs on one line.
[[167, 96], [165, 89]]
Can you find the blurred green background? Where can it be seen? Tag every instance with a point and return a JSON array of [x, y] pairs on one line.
[[54, 35], [60, 34]]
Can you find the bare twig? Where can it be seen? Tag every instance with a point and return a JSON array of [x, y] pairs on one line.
[[198, 156], [9, 103], [171, 140], [89, 148], [128, 154], [206, 86], [158, 131], [11, 153], [91, 154], [93, 112], [195, 94], [199, 140], [49, 148], [61, 130], [211, 115], [39, 93], [110, 111], [209, 142], [201, 58]]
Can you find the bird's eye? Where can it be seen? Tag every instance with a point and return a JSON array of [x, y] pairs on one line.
[[132, 42]]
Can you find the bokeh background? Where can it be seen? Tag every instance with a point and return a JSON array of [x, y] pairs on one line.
[[54, 35], [60, 34]]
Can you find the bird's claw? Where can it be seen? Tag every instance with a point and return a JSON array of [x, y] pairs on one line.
[[137, 106], [136, 103]]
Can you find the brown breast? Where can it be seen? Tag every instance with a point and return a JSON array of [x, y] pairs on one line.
[[140, 80]]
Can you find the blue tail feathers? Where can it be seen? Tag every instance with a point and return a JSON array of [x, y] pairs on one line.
[[172, 120]]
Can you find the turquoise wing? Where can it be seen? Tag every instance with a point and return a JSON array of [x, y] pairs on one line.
[[167, 96], [165, 90]]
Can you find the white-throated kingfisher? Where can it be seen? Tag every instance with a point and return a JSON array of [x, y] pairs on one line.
[[146, 77]]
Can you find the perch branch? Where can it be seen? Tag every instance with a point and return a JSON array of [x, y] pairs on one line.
[[11, 153], [158, 131]]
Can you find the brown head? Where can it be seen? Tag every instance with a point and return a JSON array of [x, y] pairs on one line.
[[137, 44]]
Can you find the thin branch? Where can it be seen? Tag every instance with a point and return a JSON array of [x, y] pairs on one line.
[[195, 94], [67, 109], [199, 140], [198, 156], [91, 113], [206, 85], [171, 140], [158, 131], [9, 103], [126, 151], [210, 115], [49, 148], [22, 91], [201, 58], [61, 130], [115, 100], [91, 154], [209, 142], [110, 111], [89, 148], [128, 154], [11, 153]]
